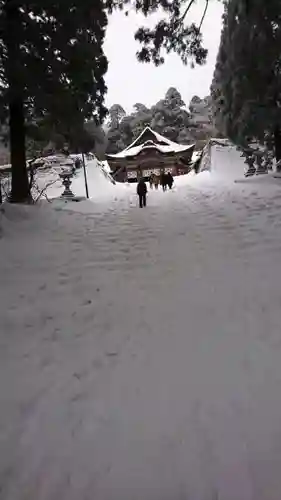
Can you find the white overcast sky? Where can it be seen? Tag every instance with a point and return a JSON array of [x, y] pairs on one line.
[[129, 81]]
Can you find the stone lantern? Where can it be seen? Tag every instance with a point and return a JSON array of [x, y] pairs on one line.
[[66, 176], [268, 159], [249, 161], [261, 163]]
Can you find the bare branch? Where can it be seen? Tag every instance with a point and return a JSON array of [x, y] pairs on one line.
[[186, 11], [204, 14], [42, 192]]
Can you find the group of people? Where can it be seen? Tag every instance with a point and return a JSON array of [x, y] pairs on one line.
[[154, 180], [163, 179]]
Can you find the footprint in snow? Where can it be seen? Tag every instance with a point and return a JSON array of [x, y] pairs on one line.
[[86, 302]]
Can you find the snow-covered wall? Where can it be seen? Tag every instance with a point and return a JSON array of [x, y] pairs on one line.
[[221, 157]]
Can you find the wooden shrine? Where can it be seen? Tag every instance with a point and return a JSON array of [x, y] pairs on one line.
[[150, 153]]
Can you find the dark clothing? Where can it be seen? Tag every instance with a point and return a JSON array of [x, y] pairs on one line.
[[78, 163], [163, 181], [142, 200], [156, 181], [141, 187], [170, 180], [142, 191]]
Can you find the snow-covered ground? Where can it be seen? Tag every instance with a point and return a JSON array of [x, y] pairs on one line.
[[140, 349]]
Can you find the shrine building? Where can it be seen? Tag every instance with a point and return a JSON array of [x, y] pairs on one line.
[[150, 153]]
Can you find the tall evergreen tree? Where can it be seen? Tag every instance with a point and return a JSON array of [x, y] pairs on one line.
[[116, 114], [246, 85], [51, 60], [115, 142], [169, 115]]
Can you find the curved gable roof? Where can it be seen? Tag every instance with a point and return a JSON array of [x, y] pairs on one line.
[[149, 139]]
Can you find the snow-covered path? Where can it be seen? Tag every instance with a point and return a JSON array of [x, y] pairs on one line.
[[140, 349]]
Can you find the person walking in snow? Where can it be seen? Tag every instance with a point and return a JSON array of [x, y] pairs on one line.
[[142, 192], [170, 180], [156, 181], [163, 181], [151, 181]]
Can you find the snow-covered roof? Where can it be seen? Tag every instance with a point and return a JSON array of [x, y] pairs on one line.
[[56, 159], [158, 138], [160, 143], [152, 145]]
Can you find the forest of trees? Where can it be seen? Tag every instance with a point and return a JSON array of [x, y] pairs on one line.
[[169, 116], [246, 85]]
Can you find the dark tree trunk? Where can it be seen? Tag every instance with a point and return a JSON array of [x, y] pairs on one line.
[[20, 186], [277, 143]]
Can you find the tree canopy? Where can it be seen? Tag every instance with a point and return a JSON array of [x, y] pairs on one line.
[[171, 34], [169, 116]]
